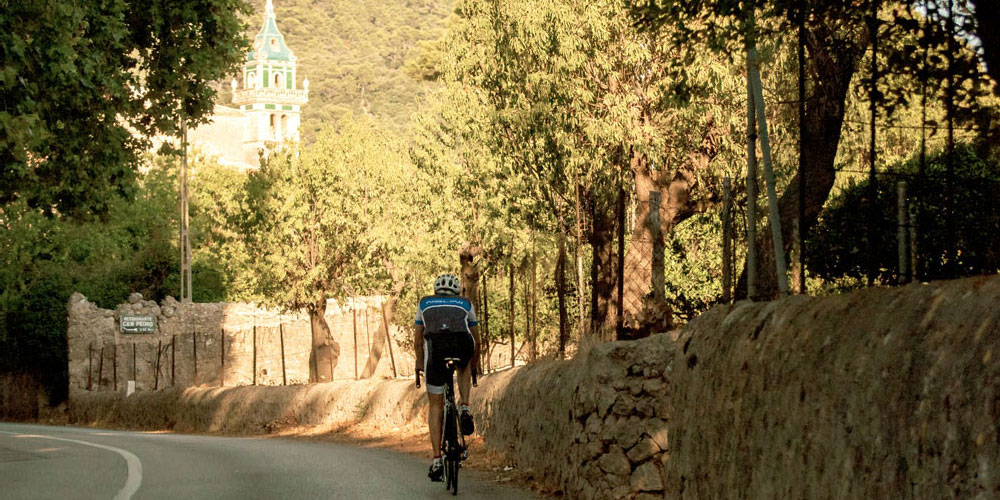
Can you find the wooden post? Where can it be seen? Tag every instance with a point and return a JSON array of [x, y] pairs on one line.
[[484, 350], [560, 296], [798, 278], [658, 279], [281, 339], [368, 336], [255, 352], [156, 376], [727, 240], [903, 233], [772, 195], [620, 310], [534, 297], [90, 364], [100, 368], [388, 340], [194, 354], [527, 317], [510, 272], [222, 357], [114, 365], [914, 264], [354, 314], [173, 360]]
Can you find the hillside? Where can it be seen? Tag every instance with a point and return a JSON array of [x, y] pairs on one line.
[[354, 54]]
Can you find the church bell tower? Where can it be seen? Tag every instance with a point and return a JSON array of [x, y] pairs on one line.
[[269, 95]]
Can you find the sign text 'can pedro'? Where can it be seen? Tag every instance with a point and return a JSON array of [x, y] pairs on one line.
[[137, 323]]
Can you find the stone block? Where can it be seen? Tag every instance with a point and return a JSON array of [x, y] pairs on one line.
[[654, 386], [626, 432], [647, 478], [657, 431], [615, 461], [642, 450]]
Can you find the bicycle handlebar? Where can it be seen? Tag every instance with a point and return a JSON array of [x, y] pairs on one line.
[[418, 378]]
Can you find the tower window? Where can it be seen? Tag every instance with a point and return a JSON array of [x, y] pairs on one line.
[[284, 127], [277, 80], [274, 126], [251, 80]]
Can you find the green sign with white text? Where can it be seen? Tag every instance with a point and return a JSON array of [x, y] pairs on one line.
[[137, 323]]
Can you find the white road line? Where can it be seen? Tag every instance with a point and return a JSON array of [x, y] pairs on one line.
[[134, 465]]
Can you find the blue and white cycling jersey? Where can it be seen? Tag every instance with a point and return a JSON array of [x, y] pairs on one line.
[[445, 313]]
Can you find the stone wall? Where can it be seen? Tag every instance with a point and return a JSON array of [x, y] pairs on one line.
[[217, 344], [883, 393]]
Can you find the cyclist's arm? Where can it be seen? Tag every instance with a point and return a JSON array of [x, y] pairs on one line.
[[418, 345]]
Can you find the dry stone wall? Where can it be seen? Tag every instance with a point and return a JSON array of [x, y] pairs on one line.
[[216, 344], [883, 393]]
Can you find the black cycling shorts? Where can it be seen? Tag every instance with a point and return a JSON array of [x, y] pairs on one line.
[[445, 345]]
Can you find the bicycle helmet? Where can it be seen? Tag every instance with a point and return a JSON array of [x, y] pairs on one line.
[[447, 283]]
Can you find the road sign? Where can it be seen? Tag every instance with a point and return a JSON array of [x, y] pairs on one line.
[[137, 323]]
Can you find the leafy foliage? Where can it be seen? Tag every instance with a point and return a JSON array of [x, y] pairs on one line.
[[327, 221], [44, 260], [86, 84], [961, 226]]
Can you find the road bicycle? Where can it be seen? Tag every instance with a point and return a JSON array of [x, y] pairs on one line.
[[453, 448]]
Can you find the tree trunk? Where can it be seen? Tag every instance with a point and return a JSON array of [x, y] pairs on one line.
[[831, 67], [988, 18], [325, 352], [382, 334], [468, 260], [681, 197], [602, 273]]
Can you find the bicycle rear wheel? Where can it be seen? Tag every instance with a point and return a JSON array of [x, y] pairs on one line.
[[453, 465]]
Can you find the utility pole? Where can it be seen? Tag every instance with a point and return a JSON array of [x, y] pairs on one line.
[[185, 243]]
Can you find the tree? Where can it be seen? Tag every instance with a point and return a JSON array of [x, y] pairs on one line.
[[574, 111], [85, 86], [319, 223], [836, 38]]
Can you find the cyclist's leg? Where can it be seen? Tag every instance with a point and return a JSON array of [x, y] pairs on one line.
[[464, 376], [435, 378], [434, 414]]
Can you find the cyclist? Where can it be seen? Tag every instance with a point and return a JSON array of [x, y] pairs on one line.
[[446, 326]]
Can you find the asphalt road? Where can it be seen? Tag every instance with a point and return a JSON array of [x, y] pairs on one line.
[[38, 461]]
